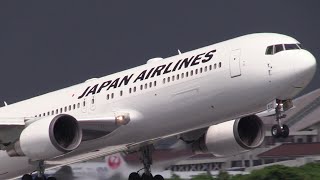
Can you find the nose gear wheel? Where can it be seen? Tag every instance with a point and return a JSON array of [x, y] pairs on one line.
[[280, 130]]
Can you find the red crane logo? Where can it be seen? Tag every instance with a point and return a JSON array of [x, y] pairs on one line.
[[114, 162]]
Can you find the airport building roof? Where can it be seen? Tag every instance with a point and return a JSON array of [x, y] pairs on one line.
[[292, 150]]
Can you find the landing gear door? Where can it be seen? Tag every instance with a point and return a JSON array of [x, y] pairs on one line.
[[235, 69]]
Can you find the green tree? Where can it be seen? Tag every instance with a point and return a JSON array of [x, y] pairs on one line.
[[175, 177], [223, 175], [203, 177]]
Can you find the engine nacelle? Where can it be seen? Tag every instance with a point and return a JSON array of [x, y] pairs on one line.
[[48, 138], [232, 137]]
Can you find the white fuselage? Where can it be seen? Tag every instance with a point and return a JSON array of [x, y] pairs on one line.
[[239, 79]]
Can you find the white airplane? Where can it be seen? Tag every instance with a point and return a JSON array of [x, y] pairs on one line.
[[207, 97]]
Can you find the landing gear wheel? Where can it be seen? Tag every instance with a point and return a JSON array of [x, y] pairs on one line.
[[276, 131], [146, 160], [158, 177], [134, 176], [26, 177], [40, 171], [279, 130], [146, 176], [285, 131]]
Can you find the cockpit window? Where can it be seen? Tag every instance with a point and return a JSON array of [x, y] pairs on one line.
[[300, 46], [269, 50], [281, 47], [291, 46], [278, 48]]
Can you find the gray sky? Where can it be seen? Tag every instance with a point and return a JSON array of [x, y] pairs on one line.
[[46, 45]]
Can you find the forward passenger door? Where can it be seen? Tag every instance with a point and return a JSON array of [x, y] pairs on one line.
[[234, 62]]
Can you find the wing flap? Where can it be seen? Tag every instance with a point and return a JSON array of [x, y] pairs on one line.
[[10, 129]]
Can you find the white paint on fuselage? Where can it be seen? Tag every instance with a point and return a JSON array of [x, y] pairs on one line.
[[178, 106]]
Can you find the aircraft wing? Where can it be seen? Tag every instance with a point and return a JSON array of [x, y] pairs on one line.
[[71, 159], [10, 129], [93, 127]]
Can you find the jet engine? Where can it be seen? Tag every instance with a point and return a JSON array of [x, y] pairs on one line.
[[48, 138], [231, 137]]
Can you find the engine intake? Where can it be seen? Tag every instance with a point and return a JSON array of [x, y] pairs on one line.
[[48, 137], [232, 137]]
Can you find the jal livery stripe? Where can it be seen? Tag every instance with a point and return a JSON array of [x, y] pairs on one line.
[[149, 73]]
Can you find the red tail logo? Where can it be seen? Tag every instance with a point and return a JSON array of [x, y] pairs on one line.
[[114, 162]]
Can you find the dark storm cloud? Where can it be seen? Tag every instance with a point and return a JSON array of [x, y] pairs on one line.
[[45, 45]]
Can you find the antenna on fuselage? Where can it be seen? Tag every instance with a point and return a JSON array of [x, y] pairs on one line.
[[5, 103], [179, 51]]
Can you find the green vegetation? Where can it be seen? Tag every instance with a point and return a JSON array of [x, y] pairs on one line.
[[309, 171]]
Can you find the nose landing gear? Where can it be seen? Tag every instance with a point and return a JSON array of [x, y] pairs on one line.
[[146, 160], [280, 130]]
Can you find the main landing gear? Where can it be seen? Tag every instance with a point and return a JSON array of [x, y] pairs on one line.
[[146, 160], [280, 130], [40, 173]]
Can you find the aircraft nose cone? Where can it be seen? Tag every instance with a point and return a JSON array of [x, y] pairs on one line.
[[305, 66]]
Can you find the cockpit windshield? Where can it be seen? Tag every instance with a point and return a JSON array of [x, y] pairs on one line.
[[281, 47]]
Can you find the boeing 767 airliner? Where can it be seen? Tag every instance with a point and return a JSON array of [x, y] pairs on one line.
[[208, 98]]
